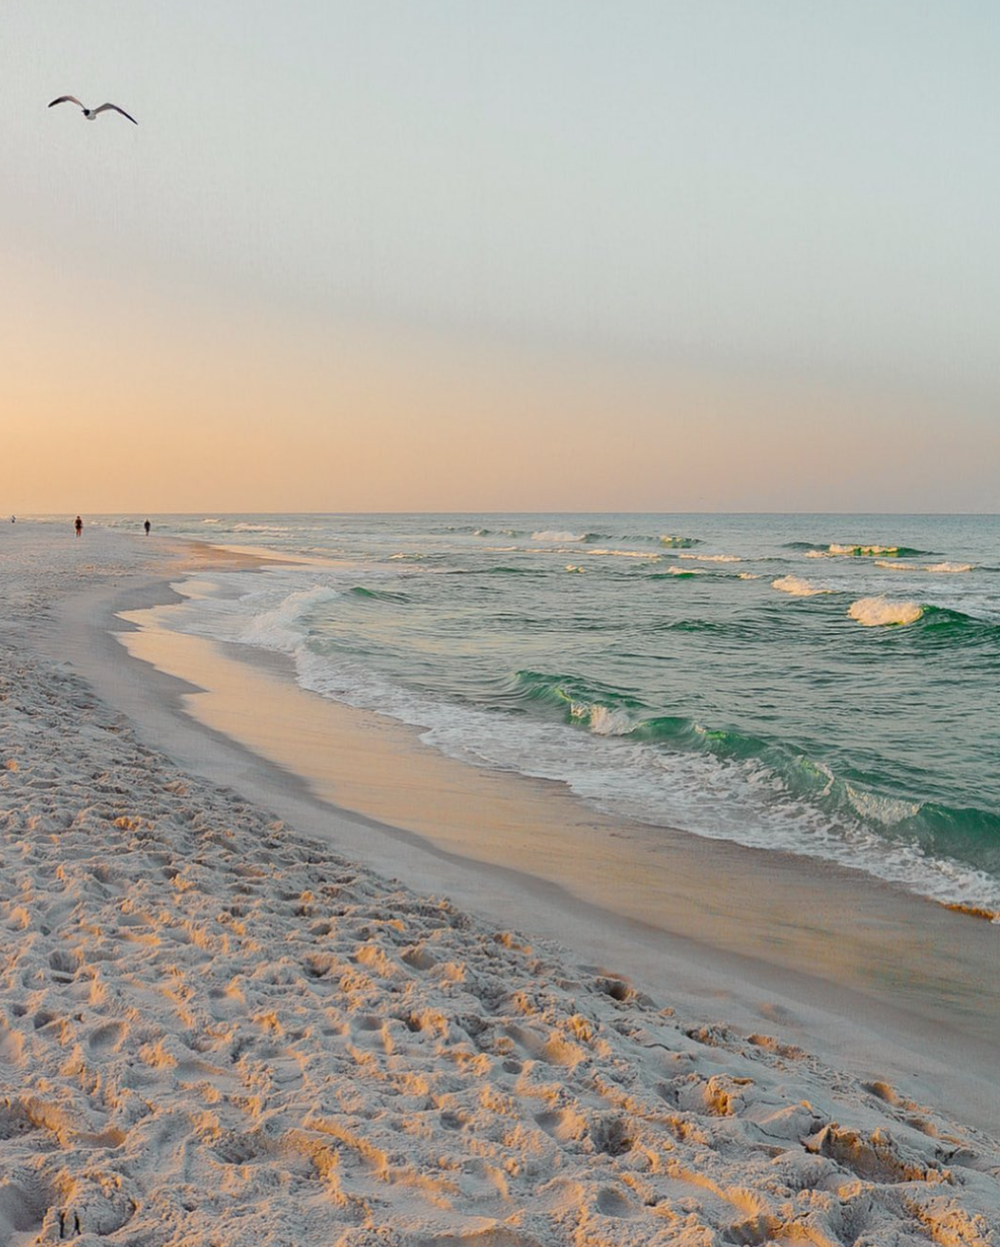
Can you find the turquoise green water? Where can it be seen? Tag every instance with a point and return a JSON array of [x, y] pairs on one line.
[[823, 684]]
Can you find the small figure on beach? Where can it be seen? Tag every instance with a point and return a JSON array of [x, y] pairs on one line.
[[13, 518], [78, 525], [147, 526]]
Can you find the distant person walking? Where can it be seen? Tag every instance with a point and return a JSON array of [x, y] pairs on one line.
[[78, 525], [147, 526]]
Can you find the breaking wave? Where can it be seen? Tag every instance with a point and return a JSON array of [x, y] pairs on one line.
[[877, 612], [558, 535], [789, 775], [797, 587], [940, 568], [833, 549]]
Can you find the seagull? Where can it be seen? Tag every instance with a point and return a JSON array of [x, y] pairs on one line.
[[91, 113]]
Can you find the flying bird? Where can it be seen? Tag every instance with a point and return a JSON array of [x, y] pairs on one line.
[[91, 113]]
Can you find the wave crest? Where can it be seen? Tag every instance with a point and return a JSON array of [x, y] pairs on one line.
[[557, 535], [877, 612], [940, 568], [797, 587], [280, 627], [835, 549]]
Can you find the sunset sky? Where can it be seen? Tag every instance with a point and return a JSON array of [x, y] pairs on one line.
[[530, 254]]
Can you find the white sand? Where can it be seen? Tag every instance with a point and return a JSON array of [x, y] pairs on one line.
[[215, 1031]]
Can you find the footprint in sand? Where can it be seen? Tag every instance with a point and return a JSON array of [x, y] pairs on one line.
[[22, 1212], [612, 1203], [107, 1036], [565, 1125], [66, 963], [11, 1045]]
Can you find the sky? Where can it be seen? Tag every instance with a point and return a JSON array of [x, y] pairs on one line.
[[507, 255]]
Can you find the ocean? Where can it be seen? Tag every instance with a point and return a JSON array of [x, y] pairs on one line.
[[827, 685]]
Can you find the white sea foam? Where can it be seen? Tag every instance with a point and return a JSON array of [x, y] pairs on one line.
[[941, 568], [686, 571], [602, 720], [797, 587], [874, 612], [749, 575], [572, 567], [269, 617], [863, 551], [625, 554], [882, 809], [713, 558], [552, 535], [211, 521]]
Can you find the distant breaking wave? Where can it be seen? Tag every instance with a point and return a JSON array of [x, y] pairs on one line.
[[813, 549], [941, 568], [797, 587], [870, 551], [679, 543], [648, 555]]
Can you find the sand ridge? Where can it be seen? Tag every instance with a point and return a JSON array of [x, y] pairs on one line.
[[214, 1030]]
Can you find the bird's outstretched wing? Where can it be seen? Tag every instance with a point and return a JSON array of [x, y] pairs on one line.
[[104, 107], [67, 99]]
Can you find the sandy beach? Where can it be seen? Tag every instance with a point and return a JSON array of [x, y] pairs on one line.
[[276, 973]]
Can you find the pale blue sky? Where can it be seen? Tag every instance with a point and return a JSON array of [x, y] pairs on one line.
[[801, 195]]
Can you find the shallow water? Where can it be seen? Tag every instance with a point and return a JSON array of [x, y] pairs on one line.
[[821, 684]]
